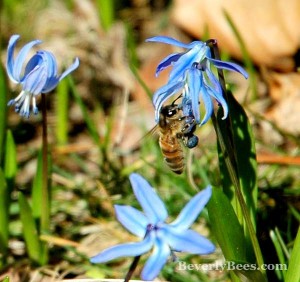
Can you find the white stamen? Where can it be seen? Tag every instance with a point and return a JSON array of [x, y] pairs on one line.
[[25, 106], [20, 96], [34, 107]]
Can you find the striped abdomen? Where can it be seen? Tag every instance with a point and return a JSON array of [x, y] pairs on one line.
[[172, 152]]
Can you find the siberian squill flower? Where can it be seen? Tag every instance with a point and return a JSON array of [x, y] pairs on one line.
[[155, 233], [38, 76], [192, 75]]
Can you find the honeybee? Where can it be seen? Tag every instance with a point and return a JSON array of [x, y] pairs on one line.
[[174, 128]]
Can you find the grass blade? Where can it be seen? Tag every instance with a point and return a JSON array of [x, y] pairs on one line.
[[279, 252], [293, 272], [106, 13], [247, 60], [10, 161], [30, 232], [89, 122], [3, 111], [4, 214], [62, 106]]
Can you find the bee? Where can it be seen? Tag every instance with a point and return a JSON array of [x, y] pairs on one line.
[[174, 128]]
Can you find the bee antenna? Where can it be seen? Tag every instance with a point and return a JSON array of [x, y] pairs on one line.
[[180, 96]]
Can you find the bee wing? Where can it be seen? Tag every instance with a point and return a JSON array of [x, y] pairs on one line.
[[152, 132]]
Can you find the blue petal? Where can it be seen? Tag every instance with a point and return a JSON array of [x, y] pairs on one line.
[[188, 241], [152, 205], [52, 83], [70, 69], [20, 59], [50, 61], [195, 86], [185, 62], [132, 219], [124, 250], [208, 105], [219, 97], [163, 94], [156, 261], [35, 80], [192, 209], [213, 80], [10, 57], [167, 62], [229, 66], [34, 62], [171, 41]]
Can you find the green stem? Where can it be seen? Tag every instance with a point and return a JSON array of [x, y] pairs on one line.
[[45, 214]]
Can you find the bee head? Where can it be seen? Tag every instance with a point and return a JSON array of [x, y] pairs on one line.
[[170, 110]]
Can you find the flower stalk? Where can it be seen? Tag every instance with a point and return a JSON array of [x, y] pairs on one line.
[[45, 212]]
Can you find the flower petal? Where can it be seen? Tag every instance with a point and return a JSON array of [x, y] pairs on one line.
[[229, 66], [50, 61], [188, 241], [52, 83], [208, 104], [195, 86], [166, 62], [170, 40], [70, 69], [132, 219], [124, 250], [216, 92], [196, 54], [163, 94], [10, 57], [20, 59], [35, 80], [156, 261], [192, 209], [152, 205]]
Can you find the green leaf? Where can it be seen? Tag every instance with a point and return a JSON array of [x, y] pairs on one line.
[[226, 227], [30, 232], [293, 272], [4, 214], [3, 111], [240, 175], [244, 154], [229, 233], [106, 12], [10, 161], [6, 279], [62, 110]]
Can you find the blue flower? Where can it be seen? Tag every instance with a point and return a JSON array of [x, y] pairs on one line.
[[39, 75], [191, 75], [156, 233]]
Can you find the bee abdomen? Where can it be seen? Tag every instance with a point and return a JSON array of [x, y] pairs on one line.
[[173, 155]]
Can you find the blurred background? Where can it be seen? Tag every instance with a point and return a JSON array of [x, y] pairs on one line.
[[98, 119]]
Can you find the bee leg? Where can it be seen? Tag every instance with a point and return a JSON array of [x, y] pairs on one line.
[[189, 126]]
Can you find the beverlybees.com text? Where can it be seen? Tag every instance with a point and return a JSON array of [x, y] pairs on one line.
[[229, 265]]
